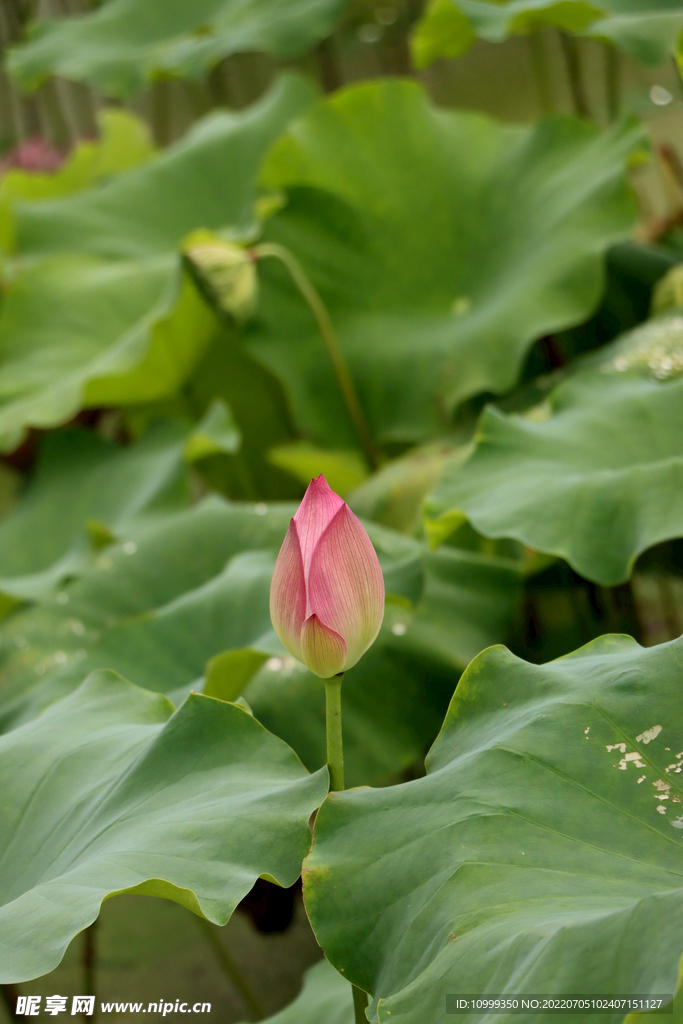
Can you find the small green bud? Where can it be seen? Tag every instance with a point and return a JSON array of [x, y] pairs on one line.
[[226, 272]]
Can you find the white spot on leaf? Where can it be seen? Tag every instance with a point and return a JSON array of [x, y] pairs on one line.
[[649, 734], [660, 96], [633, 756]]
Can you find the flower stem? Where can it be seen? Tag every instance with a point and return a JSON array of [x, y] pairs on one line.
[[333, 721], [335, 764], [322, 317]]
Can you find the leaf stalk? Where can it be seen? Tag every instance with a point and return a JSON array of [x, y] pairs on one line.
[[89, 959], [612, 82], [322, 317], [230, 969], [360, 1002], [540, 71], [572, 59]]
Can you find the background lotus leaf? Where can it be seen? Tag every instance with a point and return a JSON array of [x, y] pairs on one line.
[[216, 433], [111, 792], [647, 30], [595, 473], [394, 494], [443, 244], [123, 143], [96, 311], [84, 491], [120, 47], [549, 826]]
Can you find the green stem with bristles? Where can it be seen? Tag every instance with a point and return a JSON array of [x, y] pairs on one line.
[[335, 766], [333, 723], [322, 317]]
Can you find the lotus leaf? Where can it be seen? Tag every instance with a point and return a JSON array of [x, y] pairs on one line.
[[540, 854], [594, 474], [443, 244], [109, 791], [121, 47]]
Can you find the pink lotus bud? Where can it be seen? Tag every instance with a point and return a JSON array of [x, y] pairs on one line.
[[327, 594]]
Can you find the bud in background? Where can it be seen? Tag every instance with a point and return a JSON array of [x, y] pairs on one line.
[[225, 271], [327, 594]]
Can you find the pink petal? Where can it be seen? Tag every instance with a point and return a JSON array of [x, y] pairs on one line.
[[288, 593], [316, 511], [345, 586], [323, 650]]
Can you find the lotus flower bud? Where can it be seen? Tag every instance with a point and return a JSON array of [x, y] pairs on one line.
[[225, 271], [327, 594]]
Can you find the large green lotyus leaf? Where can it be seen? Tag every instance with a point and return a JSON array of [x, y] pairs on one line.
[[109, 791], [542, 852], [595, 473], [647, 30], [443, 244], [97, 311], [122, 46]]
